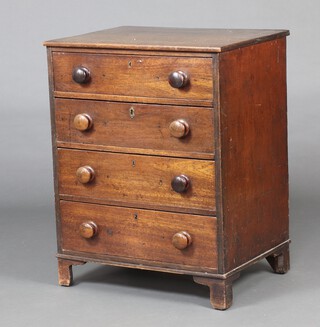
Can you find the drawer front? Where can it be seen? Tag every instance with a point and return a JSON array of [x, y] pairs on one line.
[[136, 180], [139, 234], [135, 76], [115, 126]]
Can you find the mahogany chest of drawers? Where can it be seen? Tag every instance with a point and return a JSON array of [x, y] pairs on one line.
[[170, 151]]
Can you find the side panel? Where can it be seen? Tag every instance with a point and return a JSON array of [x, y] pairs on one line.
[[54, 146], [253, 136]]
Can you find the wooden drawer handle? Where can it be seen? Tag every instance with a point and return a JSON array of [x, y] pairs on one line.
[[85, 174], [181, 240], [180, 183], [88, 229], [82, 122], [179, 128], [81, 75], [178, 79]]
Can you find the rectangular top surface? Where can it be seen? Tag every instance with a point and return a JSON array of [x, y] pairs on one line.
[[169, 39]]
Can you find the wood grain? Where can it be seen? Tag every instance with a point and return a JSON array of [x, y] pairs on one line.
[[133, 99], [280, 261], [165, 267], [125, 212], [129, 75], [149, 151], [132, 52], [254, 171], [138, 180], [221, 294], [143, 234], [169, 39], [148, 129], [54, 145], [65, 275]]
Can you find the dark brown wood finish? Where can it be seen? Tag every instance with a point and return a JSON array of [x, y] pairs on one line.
[[170, 151], [166, 267], [217, 146], [140, 234], [148, 127], [169, 39], [221, 294], [54, 147], [133, 76], [134, 99], [65, 271], [137, 180], [133, 52], [280, 261], [254, 172]]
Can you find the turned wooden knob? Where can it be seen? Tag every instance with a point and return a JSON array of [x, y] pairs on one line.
[[178, 79], [88, 229], [85, 174], [81, 75], [181, 240], [179, 128], [82, 122], [180, 183]]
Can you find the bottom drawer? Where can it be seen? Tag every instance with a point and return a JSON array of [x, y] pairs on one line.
[[139, 234]]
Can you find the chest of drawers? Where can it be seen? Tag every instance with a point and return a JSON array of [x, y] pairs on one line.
[[170, 151]]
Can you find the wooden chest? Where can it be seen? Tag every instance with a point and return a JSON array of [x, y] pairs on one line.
[[170, 151]]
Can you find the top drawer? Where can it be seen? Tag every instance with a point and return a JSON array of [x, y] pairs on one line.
[[133, 78]]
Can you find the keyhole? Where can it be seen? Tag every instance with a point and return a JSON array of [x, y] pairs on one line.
[[131, 112]]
